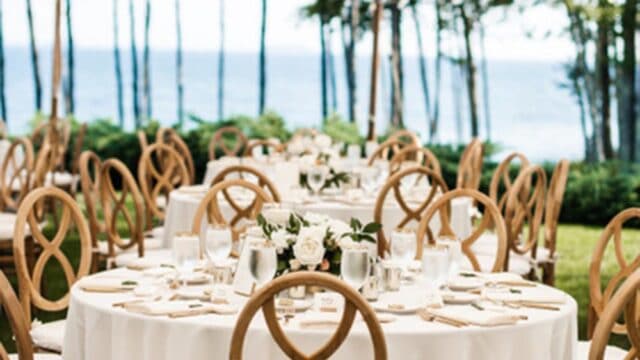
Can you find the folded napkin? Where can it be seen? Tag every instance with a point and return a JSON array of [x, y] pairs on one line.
[[107, 284], [473, 316], [318, 320], [143, 263], [180, 308], [525, 295]]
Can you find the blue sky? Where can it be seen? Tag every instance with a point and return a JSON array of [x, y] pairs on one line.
[[287, 31]]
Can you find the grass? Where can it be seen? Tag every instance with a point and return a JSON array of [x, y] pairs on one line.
[[575, 245]]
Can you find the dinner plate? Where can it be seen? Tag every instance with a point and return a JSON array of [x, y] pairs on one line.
[[298, 305], [397, 305], [462, 283]]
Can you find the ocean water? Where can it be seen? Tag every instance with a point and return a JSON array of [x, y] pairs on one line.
[[529, 110]]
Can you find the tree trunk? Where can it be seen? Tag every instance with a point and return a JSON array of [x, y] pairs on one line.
[[37, 83], [179, 85], [627, 95], [3, 101], [375, 65], [134, 66], [118, 65], [323, 69], [146, 63], [484, 69], [263, 65], [332, 72], [396, 62], [470, 72], [422, 61], [457, 75], [351, 59], [604, 82], [433, 126], [70, 81], [221, 65]]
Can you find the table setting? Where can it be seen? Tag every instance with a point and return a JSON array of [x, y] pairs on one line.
[[187, 305]]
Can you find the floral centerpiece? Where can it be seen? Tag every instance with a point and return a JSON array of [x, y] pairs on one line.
[[312, 241], [334, 178]]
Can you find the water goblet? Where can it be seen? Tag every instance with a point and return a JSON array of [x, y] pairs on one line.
[[355, 266]]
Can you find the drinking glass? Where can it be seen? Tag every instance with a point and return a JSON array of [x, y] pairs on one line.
[[218, 242], [454, 248], [435, 266], [263, 263], [403, 246], [369, 179], [186, 252], [354, 266], [316, 177]]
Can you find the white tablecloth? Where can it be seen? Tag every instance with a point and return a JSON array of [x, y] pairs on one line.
[[95, 330], [182, 208]]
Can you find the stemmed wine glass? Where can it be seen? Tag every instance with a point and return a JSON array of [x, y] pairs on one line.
[[316, 177], [263, 263], [355, 266]]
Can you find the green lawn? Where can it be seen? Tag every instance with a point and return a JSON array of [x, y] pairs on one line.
[[575, 244]]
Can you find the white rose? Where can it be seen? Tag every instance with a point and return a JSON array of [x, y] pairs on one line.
[[309, 247], [338, 227], [277, 216], [315, 218], [295, 147], [322, 141], [281, 239]]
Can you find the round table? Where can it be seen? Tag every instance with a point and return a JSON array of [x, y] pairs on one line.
[[182, 207], [96, 330]]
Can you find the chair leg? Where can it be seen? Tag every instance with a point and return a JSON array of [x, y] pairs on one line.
[[592, 320], [549, 273]]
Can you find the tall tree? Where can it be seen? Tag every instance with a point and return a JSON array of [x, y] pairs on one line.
[[146, 63], [37, 83], [422, 60], [221, 64], [3, 101], [433, 126], [484, 73], [262, 67], [603, 76], [375, 65], [69, 84], [397, 74], [134, 67], [350, 20], [627, 126], [179, 84], [117, 64], [470, 69]]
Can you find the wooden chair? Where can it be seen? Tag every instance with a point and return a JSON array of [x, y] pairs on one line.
[[160, 171], [599, 298], [18, 324], [210, 206], [30, 282], [77, 151], [501, 180], [15, 174], [264, 300], [241, 172], [418, 155], [624, 302], [523, 215], [142, 140], [270, 145], [171, 137], [219, 140], [491, 215], [437, 187], [114, 205], [553, 205], [406, 136], [470, 166], [386, 150], [89, 166]]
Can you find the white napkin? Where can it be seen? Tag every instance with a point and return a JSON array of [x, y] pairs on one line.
[[474, 316], [166, 307], [318, 320], [106, 284], [531, 295], [143, 263]]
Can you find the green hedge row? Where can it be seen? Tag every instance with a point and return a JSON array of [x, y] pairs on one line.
[[594, 193]]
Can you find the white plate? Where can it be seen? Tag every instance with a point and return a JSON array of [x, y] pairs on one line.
[[397, 305], [462, 283], [299, 305]]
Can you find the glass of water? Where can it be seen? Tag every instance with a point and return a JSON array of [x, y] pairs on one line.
[[316, 177], [435, 266], [355, 266], [369, 179], [218, 242], [403, 246], [263, 262], [186, 252]]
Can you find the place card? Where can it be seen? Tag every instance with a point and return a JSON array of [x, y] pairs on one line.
[[327, 301], [243, 282]]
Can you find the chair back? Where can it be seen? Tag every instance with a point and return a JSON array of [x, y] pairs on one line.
[[386, 150], [264, 300], [246, 173], [624, 302], [30, 280], [160, 171], [491, 215], [270, 145], [470, 166], [416, 155], [171, 137], [599, 297], [410, 212], [406, 136], [210, 206], [15, 174], [553, 205], [89, 166], [114, 205], [524, 210], [78, 143], [17, 322], [501, 180], [142, 140], [220, 139]]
